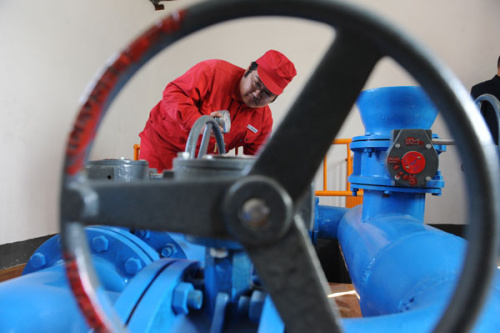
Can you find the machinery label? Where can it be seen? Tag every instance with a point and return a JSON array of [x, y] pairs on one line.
[[412, 160], [393, 160], [409, 141]]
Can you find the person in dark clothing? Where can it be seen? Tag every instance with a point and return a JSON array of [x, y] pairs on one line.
[[491, 87]]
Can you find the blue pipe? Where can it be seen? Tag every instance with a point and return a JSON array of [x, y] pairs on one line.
[[41, 300], [326, 221], [405, 272], [397, 260]]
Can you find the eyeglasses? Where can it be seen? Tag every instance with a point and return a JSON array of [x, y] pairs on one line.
[[264, 93]]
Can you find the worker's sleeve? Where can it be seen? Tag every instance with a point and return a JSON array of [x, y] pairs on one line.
[[182, 98], [265, 132]]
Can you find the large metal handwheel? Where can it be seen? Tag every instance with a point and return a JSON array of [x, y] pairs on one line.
[[278, 246]]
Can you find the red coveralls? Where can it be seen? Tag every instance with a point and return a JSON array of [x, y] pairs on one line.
[[209, 86]]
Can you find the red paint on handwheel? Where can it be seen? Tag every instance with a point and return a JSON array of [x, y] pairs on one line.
[[90, 113], [94, 318]]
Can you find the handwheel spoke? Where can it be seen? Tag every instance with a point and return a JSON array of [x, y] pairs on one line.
[[291, 272], [160, 205], [305, 135]]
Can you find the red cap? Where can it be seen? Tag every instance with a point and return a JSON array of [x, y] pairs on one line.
[[275, 71]]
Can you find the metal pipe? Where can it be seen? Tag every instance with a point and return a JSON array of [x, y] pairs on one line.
[[398, 264], [326, 221], [493, 123], [40, 302], [41, 299], [203, 124], [405, 273], [445, 142], [334, 193]]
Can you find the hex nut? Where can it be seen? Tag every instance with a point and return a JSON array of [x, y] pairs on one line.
[[38, 260], [132, 266], [169, 250], [100, 244], [185, 297]]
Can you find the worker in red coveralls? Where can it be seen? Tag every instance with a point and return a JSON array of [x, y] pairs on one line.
[[209, 87]]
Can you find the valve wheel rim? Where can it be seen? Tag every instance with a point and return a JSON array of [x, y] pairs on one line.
[[440, 84]]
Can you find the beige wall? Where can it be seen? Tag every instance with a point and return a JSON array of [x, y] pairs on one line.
[[50, 51]]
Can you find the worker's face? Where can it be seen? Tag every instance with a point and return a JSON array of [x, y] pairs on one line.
[[253, 92]]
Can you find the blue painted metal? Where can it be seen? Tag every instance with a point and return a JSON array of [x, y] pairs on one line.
[[172, 245], [270, 319], [419, 319], [388, 108], [185, 297], [126, 263], [326, 221], [118, 253], [40, 302], [383, 110], [403, 270], [219, 317], [147, 291], [229, 272], [131, 296], [397, 257], [156, 312], [48, 302]]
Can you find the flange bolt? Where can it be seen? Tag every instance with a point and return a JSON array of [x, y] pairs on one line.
[[169, 250], [37, 260], [132, 266], [185, 297], [100, 244]]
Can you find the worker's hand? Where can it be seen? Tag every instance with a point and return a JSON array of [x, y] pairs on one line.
[[223, 119], [217, 114]]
